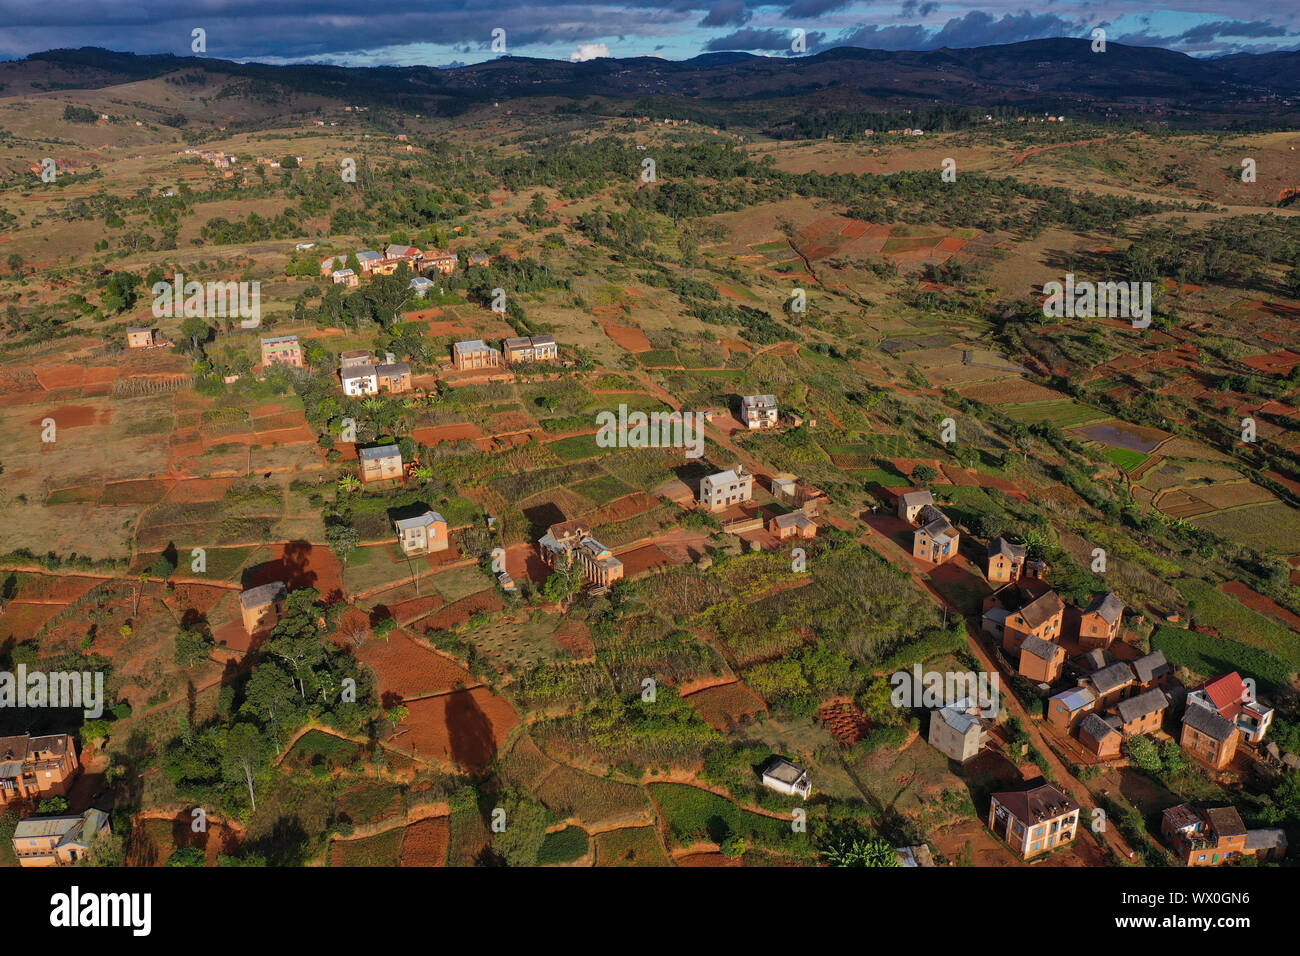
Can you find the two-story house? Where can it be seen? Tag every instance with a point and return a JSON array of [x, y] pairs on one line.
[[474, 354], [1041, 661], [58, 841], [282, 350], [261, 607], [1231, 698], [726, 488], [935, 540], [1101, 621], [1004, 561], [1034, 821], [759, 411], [33, 768], [422, 534]]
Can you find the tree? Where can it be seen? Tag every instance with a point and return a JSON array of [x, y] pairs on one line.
[[734, 846], [193, 647], [187, 856], [196, 330], [858, 851], [247, 754], [1144, 754], [342, 538], [525, 828], [559, 587], [923, 474]]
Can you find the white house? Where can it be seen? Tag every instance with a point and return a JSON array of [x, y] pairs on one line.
[[359, 379], [784, 777]]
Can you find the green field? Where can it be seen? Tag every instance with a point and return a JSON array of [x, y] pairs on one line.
[[1208, 656], [1066, 414], [1128, 460]]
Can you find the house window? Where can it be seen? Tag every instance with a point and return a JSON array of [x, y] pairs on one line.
[[1037, 845], [1038, 831], [1201, 858]]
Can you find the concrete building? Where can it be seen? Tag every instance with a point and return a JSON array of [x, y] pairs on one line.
[[380, 463], [911, 502], [936, 540], [474, 354], [139, 337], [726, 488], [282, 350], [570, 541], [956, 730], [782, 776], [796, 524], [759, 411]]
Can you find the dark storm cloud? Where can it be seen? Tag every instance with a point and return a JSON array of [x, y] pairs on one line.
[[727, 13], [1231, 28], [768, 41], [976, 28], [914, 8], [803, 9]]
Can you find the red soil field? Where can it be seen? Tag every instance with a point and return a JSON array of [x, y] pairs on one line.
[[21, 621], [300, 435], [644, 558], [407, 669], [404, 612], [55, 588], [425, 842], [200, 489], [142, 491], [458, 612], [76, 416], [574, 637], [951, 244], [628, 337], [435, 435], [725, 705], [466, 727], [855, 229], [59, 376], [300, 564], [626, 507], [1258, 602], [844, 719]]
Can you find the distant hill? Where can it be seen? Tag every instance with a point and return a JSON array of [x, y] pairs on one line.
[[1057, 75]]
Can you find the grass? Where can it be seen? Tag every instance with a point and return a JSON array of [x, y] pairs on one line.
[[564, 846], [630, 846], [697, 816], [1128, 460], [1268, 527], [577, 448], [602, 489], [1227, 615], [1208, 656], [1066, 414]]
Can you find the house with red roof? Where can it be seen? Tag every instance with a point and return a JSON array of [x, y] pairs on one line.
[[1232, 699]]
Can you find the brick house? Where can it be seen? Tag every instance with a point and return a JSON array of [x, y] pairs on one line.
[[346, 277], [568, 541], [380, 463], [536, 348], [1111, 684], [792, 525], [1142, 714], [1004, 561], [1034, 821], [422, 534], [474, 354], [1041, 661], [261, 606], [445, 262], [1152, 670], [725, 488], [759, 411], [1066, 709], [1208, 737], [1100, 736], [369, 260], [139, 337], [1204, 837], [407, 254], [1230, 698], [58, 841], [936, 540], [1015, 613], [911, 502], [33, 768], [478, 259], [282, 350], [394, 377], [1101, 621]]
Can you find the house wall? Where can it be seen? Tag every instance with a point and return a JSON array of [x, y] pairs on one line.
[[1206, 749]]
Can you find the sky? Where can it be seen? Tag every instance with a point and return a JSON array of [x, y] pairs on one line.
[[454, 32]]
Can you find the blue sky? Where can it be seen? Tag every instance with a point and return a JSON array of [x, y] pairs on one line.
[[448, 32]]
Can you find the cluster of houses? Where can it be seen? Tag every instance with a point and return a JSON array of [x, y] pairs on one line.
[[1044, 818], [934, 539], [373, 263], [475, 354], [360, 374], [34, 769]]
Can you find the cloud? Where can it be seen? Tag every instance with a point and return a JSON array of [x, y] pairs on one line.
[[588, 51], [775, 41], [914, 37], [978, 28], [914, 8], [727, 13], [806, 9], [1231, 28]]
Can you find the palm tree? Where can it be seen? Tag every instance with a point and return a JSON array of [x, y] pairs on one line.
[[349, 483]]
